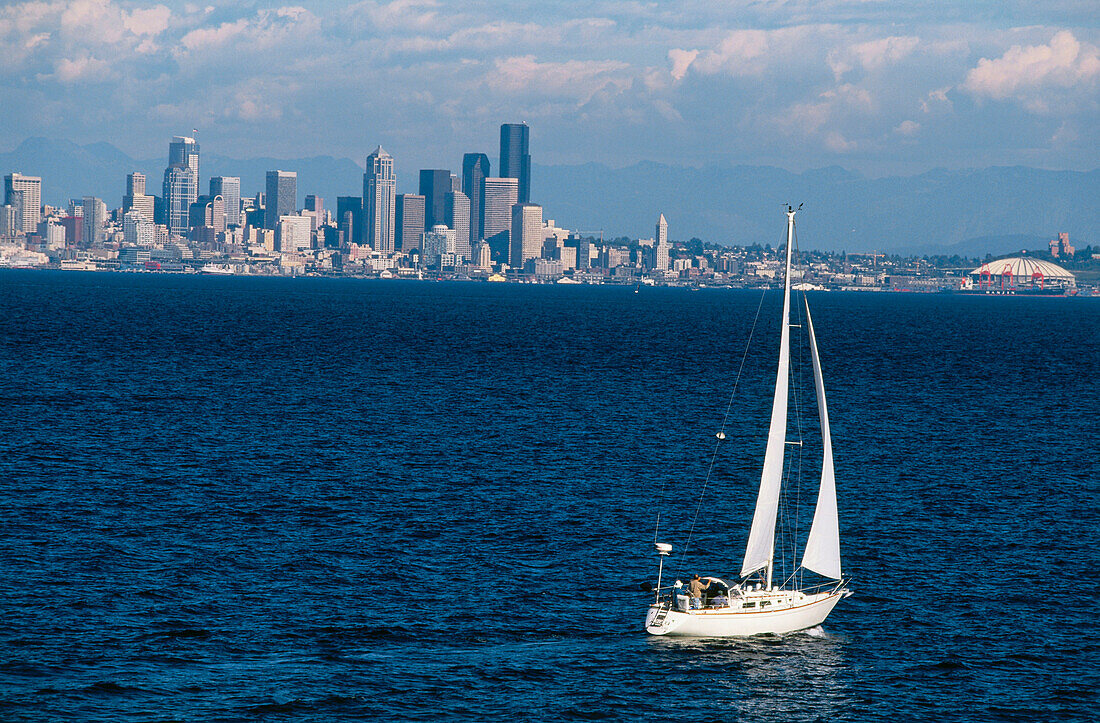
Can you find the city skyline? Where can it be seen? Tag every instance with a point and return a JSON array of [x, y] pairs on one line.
[[876, 88]]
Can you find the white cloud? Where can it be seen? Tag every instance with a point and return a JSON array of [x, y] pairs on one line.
[[681, 61], [907, 128], [1026, 72], [84, 68], [148, 21], [575, 78]]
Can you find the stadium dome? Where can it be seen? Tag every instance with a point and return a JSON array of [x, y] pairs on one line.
[[1020, 272]]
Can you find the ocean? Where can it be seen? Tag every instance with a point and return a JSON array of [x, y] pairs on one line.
[[234, 498]]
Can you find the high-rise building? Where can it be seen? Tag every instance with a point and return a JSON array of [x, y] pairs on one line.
[[515, 157], [135, 184], [208, 211], [457, 212], [527, 236], [438, 247], [184, 150], [136, 199], [379, 197], [316, 204], [24, 195], [181, 183], [661, 245], [475, 169], [7, 219], [409, 221], [349, 211], [292, 234], [500, 195], [229, 188], [435, 184], [282, 197], [95, 221]]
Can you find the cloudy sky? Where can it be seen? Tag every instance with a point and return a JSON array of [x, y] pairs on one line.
[[878, 86]]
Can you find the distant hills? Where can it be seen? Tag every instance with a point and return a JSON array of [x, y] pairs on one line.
[[972, 212]]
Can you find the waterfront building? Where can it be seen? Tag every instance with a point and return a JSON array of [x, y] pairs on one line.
[[527, 237], [435, 184], [229, 188], [438, 243], [137, 229], [95, 221], [181, 182], [1019, 275], [457, 211], [282, 197], [500, 195], [475, 169], [52, 233], [24, 195], [292, 234], [482, 256], [515, 157], [409, 221], [379, 199]]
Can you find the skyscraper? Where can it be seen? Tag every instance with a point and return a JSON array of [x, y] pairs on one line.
[[527, 237], [282, 196], [457, 211], [475, 169], [434, 186], [661, 246], [229, 188], [95, 220], [515, 157], [349, 213], [24, 195], [500, 195], [135, 198], [409, 220], [181, 182], [379, 197]]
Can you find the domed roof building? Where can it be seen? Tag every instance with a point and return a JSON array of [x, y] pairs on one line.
[[1019, 275]]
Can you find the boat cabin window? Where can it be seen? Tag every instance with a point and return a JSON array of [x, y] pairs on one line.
[[749, 605]]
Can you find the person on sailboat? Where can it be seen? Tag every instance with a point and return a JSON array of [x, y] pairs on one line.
[[697, 588]]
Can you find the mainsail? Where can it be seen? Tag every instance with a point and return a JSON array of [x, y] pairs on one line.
[[823, 545], [761, 545]]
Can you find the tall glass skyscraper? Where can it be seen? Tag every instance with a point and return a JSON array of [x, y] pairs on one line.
[[475, 169], [515, 157], [282, 196], [435, 184], [229, 188], [181, 182], [379, 197]]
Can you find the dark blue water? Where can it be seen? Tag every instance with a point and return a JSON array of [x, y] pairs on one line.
[[271, 499]]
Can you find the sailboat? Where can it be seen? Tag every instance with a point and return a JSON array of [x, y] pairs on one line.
[[756, 603]]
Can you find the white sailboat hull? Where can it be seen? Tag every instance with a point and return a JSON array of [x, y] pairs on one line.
[[800, 613]]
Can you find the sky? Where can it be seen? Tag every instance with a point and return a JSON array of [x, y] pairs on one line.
[[879, 87]]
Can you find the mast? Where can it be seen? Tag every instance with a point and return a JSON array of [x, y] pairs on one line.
[[760, 550]]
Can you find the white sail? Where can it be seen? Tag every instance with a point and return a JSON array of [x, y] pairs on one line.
[[761, 545], [823, 545]]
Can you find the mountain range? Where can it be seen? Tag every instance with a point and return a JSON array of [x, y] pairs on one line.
[[969, 212]]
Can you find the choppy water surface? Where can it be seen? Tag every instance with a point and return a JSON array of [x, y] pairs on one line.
[[265, 499]]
